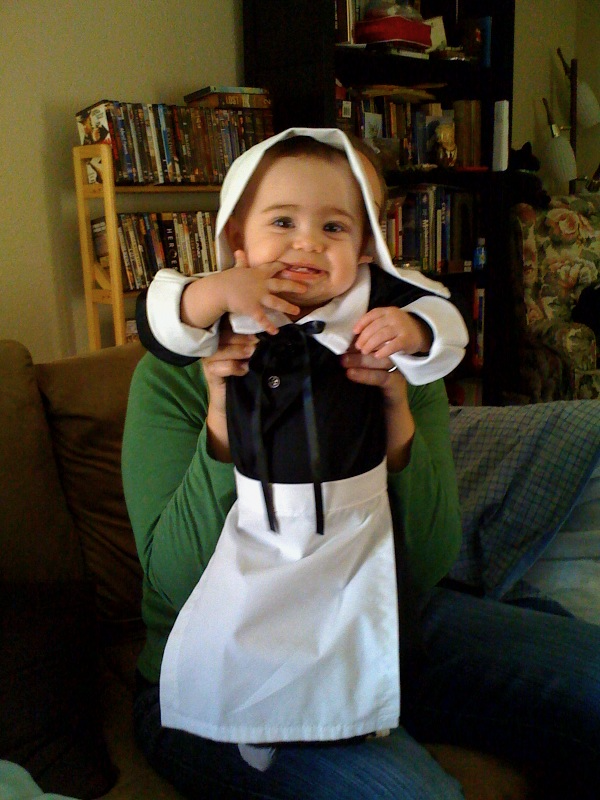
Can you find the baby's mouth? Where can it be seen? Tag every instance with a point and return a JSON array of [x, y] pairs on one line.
[[300, 270]]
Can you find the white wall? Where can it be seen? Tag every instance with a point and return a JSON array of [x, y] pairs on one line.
[[58, 57]]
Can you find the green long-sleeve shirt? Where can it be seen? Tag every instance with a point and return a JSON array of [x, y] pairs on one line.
[[178, 496]]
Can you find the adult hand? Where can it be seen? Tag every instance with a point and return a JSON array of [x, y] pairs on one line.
[[400, 424], [374, 371]]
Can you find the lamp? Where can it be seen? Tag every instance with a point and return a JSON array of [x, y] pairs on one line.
[[586, 102], [559, 153]]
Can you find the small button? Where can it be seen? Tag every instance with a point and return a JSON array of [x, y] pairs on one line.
[[273, 382]]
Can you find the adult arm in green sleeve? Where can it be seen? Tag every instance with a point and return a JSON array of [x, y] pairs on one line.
[[424, 495], [177, 495]]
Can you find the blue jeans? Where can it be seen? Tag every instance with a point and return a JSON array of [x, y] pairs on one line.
[[512, 681]]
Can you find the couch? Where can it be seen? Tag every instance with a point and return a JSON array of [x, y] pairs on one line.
[[555, 255], [71, 587]]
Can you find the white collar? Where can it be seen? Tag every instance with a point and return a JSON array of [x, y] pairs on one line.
[[339, 315]]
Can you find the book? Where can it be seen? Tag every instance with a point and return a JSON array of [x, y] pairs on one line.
[[393, 228], [179, 144], [145, 245], [154, 145], [210, 220], [136, 145], [229, 97], [100, 241], [131, 331], [167, 229], [172, 143], [95, 124], [479, 318], [150, 140], [125, 220], [160, 143], [204, 252], [467, 127], [129, 279]]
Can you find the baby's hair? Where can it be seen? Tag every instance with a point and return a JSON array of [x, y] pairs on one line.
[[307, 146], [303, 146]]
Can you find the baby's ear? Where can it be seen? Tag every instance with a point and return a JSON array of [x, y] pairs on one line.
[[234, 235], [367, 250]]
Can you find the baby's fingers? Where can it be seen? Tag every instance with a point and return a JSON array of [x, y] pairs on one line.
[[381, 340], [276, 303]]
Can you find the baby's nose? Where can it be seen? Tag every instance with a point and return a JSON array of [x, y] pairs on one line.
[[312, 241]]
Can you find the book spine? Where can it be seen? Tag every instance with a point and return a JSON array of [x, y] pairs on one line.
[[189, 142], [151, 152], [203, 242], [179, 144], [127, 158], [154, 138], [184, 266], [99, 240], [198, 146], [168, 166], [167, 227], [125, 260], [211, 218], [173, 142], [144, 144], [187, 239], [209, 154], [232, 100], [249, 132], [147, 245], [132, 142], [132, 249], [224, 129], [139, 228], [211, 149], [268, 123], [155, 237], [479, 318], [190, 220]]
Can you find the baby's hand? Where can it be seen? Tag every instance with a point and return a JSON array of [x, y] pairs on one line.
[[252, 290], [388, 330]]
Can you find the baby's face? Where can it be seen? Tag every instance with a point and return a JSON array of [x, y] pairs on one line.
[[308, 214]]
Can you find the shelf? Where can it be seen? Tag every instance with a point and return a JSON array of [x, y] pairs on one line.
[[96, 191], [103, 285], [362, 66], [468, 179]]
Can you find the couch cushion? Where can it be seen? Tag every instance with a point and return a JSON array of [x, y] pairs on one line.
[[49, 710], [86, 398], [37, 538]]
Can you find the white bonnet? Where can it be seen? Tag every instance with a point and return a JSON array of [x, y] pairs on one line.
[[243, 168]]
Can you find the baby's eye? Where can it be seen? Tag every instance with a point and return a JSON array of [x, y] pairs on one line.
[[333, 227], [283, 222]]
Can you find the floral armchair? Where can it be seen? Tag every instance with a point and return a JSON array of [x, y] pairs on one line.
[[555, 255]]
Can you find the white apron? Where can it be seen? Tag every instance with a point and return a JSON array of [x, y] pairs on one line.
[[291, 636]]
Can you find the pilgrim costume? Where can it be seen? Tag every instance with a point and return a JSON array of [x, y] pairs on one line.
[[291, 633]]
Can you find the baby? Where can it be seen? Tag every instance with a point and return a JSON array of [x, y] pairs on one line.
[[291, 634]]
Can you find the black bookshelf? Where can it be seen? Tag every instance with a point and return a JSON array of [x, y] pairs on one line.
[[289, 47]]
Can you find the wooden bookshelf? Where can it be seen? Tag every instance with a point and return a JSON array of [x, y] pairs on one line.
[[104, 285], [299, 63]]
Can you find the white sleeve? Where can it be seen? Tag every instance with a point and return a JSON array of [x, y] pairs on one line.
[[450, 337], [164, 320]]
